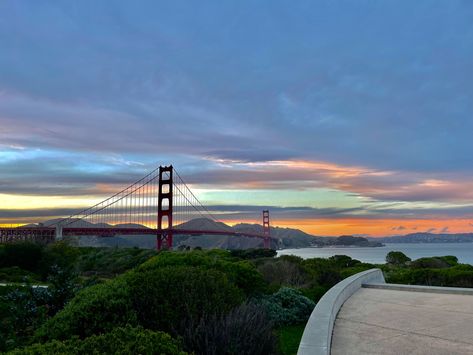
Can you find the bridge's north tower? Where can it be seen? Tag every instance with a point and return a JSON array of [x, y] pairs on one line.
[[164, 237]]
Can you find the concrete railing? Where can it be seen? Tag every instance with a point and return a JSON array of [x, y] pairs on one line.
[[317, 337]]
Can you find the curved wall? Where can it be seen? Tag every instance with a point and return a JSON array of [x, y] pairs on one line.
[[317, 336]]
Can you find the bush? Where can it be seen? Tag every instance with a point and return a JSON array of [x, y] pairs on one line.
[[126, 340], [22, 310], [110, 262], [245, 330], [16, 274], [288, 306], [94, 310], [397, 258], [242, 273], [253, 253], [168, 297], [429, 263], [283, 272], [59, 254], [344, 260], [25, 255]]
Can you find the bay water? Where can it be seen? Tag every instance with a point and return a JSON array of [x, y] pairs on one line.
[[377, 255]]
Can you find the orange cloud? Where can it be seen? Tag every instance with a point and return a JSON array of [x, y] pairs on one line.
[[376, 227]]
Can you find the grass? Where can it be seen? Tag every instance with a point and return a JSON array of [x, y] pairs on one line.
[[289, 338]]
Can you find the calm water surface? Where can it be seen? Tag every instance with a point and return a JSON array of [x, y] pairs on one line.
[[463, 251]]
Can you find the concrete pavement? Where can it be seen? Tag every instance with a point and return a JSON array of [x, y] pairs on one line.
[[383, 321]]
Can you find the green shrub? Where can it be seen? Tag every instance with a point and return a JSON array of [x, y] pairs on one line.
[[22, 310], [343, 260], [94, 310], [110, 262], [126, 340], [431, 263], [450, 259], [397, 258], [242, 273], [288, 306], [349, 271], [59, 254], [167, 297], [253, 253], [244, 330], [289, 337], [25, 255], [315, 292], [282, 272], [456, 276], [16, 274]]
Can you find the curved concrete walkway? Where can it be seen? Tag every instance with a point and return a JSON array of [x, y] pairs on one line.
[[394, 321]]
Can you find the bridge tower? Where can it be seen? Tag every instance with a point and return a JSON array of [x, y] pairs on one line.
[[164, 236], [266, 230]]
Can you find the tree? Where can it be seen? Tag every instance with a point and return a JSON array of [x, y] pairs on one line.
[[397, 258]]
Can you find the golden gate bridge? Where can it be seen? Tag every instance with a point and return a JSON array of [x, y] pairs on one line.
[[159, 204]]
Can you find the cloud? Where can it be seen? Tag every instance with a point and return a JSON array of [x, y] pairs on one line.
[[143, 79], [444, 230], [398, 228]]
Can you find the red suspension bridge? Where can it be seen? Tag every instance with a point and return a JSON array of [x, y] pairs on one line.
[[159, 204]]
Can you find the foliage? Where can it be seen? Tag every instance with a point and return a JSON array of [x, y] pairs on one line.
[[168, 297], [17, 274], [282, 272], [288, 306], [93, 310], [241, 273], [455, 276], [397, 258], [22, 310], [343, 261], [244, 330], [62, 287], [126, 340], [253, 253], [25, 255], [58, 255], [436, 262], [289, 337], [36, 262], [109, 262]]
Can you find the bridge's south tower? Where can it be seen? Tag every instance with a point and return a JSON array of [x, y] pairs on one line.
[[266, 230], [164, 237]]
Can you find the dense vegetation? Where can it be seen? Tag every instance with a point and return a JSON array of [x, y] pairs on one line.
[[125, 301]]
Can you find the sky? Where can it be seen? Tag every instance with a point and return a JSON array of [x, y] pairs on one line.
[[341, 117]]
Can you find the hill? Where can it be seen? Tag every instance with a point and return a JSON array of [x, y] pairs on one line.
[[282, 238], [427, 238]]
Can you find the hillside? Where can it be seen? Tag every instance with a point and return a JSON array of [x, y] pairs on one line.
[[427, 238], [286, 237], [282, 238]]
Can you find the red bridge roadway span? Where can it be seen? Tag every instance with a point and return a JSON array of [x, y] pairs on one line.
[[47, 232]]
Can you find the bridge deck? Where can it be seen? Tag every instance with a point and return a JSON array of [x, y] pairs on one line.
[[10, 234], [376, 321]]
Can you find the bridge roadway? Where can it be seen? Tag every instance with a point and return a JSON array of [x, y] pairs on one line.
[[391, 321], [48, 233]]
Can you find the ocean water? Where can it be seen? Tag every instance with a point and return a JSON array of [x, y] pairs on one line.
[[463, 251]]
